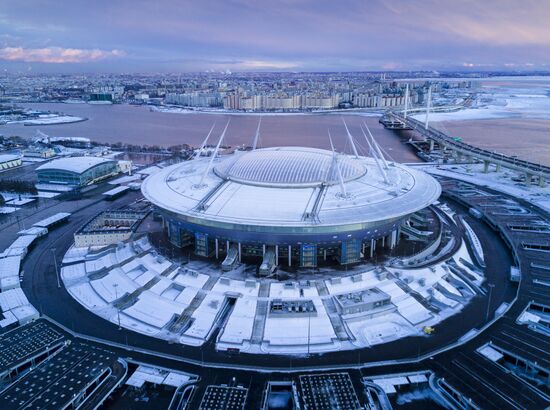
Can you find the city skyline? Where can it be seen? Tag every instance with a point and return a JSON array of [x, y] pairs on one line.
[[119, 36]]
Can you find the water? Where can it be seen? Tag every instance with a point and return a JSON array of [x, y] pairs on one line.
[[511, 116], [139, 125]]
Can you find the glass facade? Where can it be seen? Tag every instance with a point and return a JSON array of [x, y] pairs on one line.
[[174, 233], [201, 244], [350, 251], [308, 256]]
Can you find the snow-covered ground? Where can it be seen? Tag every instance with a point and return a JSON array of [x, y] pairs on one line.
[[500, 181], [51, 119], [493, 102], [130, 284]]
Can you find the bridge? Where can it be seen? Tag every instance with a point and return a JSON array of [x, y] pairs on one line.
[[399, 120]]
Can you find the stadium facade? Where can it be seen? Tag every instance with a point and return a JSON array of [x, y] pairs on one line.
[[300, 205]]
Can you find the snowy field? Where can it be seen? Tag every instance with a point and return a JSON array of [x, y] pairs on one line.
[[494, 102]]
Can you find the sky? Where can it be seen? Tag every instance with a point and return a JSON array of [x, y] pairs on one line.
[[273, 35]]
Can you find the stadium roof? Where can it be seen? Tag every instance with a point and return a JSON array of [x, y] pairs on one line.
[[271, 187], [77, 165], [290, 167]]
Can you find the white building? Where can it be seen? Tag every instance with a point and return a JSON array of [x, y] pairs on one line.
[[8, 161]]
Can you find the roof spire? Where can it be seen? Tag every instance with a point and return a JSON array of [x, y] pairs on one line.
[[201, 183], [350, 137], [376, 147], [203, 145], [334, 164], [375, 156], [257, 136]]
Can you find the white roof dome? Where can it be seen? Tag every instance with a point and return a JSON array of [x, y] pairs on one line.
[[289, 167]]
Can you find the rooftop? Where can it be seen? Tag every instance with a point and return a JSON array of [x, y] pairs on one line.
[[289, 166], [9, 157], [73, 164], [282, 187]]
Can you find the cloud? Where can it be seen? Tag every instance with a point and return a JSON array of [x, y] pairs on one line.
[[56, 55], [265, 65]]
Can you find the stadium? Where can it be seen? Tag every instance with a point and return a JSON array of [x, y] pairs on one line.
[[288, 205]]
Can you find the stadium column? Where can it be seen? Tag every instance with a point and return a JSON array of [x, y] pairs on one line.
[[216, 244], [289, 255], [239, 251], [276, 255], [263, 249], [226, 247], [393, 239], [372, 245]]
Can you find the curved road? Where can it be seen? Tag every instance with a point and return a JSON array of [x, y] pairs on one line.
[[40, 285]]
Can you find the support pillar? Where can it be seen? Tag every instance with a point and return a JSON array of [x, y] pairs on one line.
[[372, 245], [216, 245], [541, 181], [263, 249], [498, 168], [486, 166], [528, 179], [432, 145], [239, 251], [289, 255], [398, 234], [226, 247], [325, 255], [276, 255], [393, 239], [383, 241]]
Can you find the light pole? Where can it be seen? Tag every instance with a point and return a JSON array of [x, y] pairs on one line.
[[115, 285], [308, 331], [56, 269], [491, 286]]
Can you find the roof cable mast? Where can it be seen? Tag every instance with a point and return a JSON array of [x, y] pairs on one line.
[[376, 159], [406, 101], [343, 193], [203, 145], [376, 147], [201, 183], [350, 137], [257, 136]]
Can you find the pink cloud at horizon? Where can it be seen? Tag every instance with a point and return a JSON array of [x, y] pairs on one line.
[[57, 55]]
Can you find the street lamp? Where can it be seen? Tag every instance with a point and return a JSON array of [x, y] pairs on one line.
[[115, 285], [56, 268], [491, 286]]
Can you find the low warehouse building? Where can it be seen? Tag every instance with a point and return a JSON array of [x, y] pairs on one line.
[[8, 161], [76, 171], [107, 228]]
